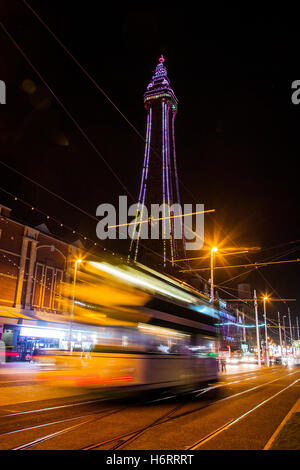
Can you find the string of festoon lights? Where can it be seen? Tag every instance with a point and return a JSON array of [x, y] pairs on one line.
[[58, 222], [55, 289], [74, 231], [39, 281]]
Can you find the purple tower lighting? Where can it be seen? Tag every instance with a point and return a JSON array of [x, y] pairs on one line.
[[159, 180]]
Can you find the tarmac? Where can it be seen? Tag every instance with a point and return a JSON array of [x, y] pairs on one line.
[[16, 387]]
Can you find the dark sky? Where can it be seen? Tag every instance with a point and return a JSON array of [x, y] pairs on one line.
[[237, 131]]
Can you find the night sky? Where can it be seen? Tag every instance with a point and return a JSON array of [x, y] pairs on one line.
[[237, 131]]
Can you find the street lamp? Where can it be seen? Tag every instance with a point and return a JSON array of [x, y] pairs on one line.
[[212, 251], [266, 333], [78, 261], [284, 332], [291, 331]]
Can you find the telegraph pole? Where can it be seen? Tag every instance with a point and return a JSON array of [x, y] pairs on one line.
[[297, 328], [280, 339], [291, 333], [257, 330], [284, 334], [266, 335]]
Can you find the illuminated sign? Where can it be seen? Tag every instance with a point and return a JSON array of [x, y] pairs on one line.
[[42, 332]]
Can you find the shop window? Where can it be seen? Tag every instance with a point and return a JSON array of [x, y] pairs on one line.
[[48, 287], [57, 290], [38, 285]]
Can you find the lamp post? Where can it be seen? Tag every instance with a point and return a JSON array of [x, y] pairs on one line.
[[291, 331], [280, 337], [266, 333], [284, 332], [78, 261], [257, 331], [212, 251]]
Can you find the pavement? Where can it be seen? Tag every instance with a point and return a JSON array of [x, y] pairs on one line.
[[232, 369], [287, 435]]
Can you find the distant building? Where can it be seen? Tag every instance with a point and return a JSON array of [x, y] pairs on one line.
[[34, 265]]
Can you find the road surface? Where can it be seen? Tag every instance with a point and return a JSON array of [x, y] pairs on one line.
[[242, 411]]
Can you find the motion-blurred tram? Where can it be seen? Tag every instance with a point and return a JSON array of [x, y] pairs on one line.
[[151, 332]]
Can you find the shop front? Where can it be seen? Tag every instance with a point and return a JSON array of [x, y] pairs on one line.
[[23, 342]]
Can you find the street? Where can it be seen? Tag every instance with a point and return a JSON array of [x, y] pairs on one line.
[[241, 411]]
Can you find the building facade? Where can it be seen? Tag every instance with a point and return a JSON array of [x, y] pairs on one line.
[[34, 268]]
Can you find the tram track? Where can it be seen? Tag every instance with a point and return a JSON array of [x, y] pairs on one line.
[[94, 417], [227, 425], [124, 439], [121, 441], [50, 408]]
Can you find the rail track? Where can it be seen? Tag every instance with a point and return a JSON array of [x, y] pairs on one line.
[[122, 440]]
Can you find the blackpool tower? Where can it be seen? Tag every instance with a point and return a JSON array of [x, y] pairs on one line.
[[159, 179]]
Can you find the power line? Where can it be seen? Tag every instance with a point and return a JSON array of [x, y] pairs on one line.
[[241, 265], [48, 190], [84, 134], [86, 73], [270, 258]]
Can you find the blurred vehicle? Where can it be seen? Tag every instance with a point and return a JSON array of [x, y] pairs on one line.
[[262, 359], [153, 357], [289, 361], [278, 360], [10, 355], [236, 358], [168, 339], [249, 358]]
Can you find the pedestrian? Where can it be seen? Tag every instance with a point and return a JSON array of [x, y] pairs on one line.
[[223, 364]]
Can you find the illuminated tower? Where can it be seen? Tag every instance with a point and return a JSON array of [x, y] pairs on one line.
[[159, 181]]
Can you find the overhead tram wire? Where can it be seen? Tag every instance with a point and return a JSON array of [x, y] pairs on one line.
[[185, 284], [47, 190], [94, 82], [243, 265], [76, 124], [90, 77], [83, 133], [83, 69], [86, 73], [259, 267], [28, 204]]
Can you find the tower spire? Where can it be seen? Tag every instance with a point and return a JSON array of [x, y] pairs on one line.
[[159, 182]]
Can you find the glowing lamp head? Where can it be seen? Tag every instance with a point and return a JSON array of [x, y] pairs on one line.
[[266, 298], [78, 261], [214, 249]]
